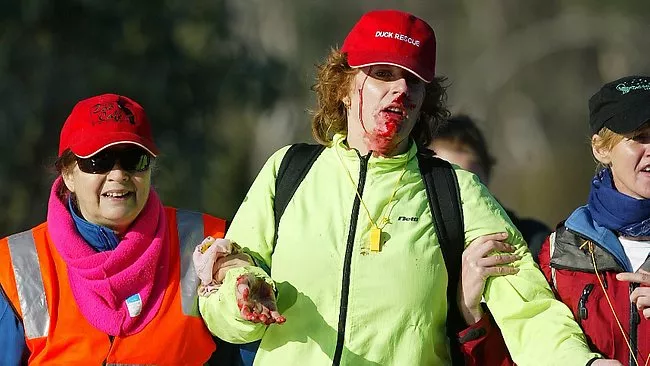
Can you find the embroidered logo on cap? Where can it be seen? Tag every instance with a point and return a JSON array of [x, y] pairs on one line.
[[113, 111], [397, 36], [134, 305], [636, 84]]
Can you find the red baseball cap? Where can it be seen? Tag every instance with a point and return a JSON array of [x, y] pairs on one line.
[[395, 38], [105, 120]]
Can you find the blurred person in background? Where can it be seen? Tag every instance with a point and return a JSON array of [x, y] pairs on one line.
[[108, 278], [461, 142], [357, 285]]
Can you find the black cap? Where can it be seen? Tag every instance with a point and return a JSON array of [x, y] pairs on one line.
[[622, 105]]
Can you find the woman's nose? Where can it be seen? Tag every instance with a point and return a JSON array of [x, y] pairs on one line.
[[117, 173], [400, 86]]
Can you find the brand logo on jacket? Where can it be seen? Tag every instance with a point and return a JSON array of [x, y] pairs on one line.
[[405, 218]]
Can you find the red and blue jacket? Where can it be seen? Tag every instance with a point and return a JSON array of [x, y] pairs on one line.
[[580, 261]]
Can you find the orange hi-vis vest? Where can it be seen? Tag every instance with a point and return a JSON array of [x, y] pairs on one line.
[[35, 279]]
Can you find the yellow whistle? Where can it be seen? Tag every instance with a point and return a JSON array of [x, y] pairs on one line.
[[375, 239]]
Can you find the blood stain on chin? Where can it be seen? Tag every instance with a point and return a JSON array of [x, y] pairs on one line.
[[389, 129]]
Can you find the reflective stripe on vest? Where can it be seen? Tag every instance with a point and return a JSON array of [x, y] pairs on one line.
[[29, 283], [190, 234]]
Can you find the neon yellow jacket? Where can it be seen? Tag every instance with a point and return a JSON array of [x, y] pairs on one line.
[[396, 298]]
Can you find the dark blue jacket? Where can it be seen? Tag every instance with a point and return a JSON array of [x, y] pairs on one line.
[[12, 335]]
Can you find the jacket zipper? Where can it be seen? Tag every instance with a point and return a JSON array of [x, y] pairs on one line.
[[582, 302], [110, 339], [347, 262], [634, 324]]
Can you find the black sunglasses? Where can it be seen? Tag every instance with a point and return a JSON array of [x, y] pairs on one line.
[[132, 159]]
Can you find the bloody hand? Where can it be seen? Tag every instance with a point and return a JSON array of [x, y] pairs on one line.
[[256, 300]]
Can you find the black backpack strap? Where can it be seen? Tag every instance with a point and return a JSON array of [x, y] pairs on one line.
[[442, 189], [294, 167]]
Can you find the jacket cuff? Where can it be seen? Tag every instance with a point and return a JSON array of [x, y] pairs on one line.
[[221, 314], [477, 331]]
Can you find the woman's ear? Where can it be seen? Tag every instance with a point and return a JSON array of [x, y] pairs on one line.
[[68, 179], [346, 102], [601, 152]]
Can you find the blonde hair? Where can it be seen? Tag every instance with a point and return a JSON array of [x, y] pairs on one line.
[[606, 140], [333, 84]]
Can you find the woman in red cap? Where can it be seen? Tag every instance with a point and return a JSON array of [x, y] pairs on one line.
[[108, 278], [354, 253]]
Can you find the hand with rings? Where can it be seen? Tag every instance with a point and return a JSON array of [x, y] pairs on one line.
[[479, 263]]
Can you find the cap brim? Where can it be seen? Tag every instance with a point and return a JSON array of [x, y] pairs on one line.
[[371, 59], [90, 147], [629, 120]]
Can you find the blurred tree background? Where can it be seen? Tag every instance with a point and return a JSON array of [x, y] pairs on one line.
[[226, 83]]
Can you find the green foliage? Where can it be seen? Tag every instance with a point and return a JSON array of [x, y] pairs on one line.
[[226, 82], [178, 60]]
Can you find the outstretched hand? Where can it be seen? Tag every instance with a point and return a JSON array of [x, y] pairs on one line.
[[477, 266], [256, 300], [641, 295]]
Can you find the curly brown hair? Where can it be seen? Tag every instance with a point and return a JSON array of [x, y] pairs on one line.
[[333, 83]]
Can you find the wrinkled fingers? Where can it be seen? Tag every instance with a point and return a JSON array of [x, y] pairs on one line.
[[500, 271], [639, 293], [485, 246], [496, 260]]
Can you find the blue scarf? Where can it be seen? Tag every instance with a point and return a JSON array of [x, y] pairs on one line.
[[99, 237], [617, 211]]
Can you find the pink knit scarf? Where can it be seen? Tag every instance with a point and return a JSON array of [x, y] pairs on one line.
[[101, 282]]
